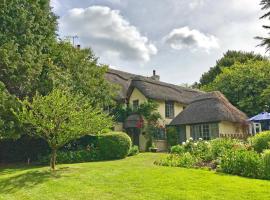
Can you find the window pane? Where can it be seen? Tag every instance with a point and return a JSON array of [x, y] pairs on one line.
[[135, 104], [169, 109]]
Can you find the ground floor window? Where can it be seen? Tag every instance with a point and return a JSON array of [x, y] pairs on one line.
[[159, 134], [204, 131]]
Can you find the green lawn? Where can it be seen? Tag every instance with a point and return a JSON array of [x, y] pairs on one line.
[[132, 178]]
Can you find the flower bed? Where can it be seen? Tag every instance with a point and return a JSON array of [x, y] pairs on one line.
[[224, 155]]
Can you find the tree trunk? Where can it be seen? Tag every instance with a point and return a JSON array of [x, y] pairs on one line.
[[53, 158]]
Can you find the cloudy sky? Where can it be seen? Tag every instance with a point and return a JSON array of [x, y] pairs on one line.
[[180, 39]]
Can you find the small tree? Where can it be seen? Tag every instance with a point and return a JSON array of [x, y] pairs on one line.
[[61, 117]]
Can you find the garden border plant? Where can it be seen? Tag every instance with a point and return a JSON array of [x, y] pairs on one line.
[[244, 158]]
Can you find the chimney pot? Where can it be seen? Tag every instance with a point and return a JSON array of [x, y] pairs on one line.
[[155, 76], [78, 46]]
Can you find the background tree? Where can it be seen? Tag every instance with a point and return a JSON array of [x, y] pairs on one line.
[[60, 117], [245, 85], [27, 31], [9, 123], [78, 70], [33, 60], [228, 60]]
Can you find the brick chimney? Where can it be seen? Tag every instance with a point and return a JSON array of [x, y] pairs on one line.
[[155, 76]]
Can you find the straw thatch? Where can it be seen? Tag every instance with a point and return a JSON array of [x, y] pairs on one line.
[[121, 79], [149, 87], [158, 90], [209, 107]]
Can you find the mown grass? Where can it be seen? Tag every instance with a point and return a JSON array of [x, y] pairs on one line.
[[132, 178]]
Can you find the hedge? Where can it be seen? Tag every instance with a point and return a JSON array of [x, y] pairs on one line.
[[114, 145]]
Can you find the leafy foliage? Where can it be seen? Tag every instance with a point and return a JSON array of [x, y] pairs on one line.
[[174, 160], [114, 145], [78, 70], [61, 117], [260, 141], [245, 85], [172, 136], [266, 163], [9, 124], [243, 163], [229, 59], [220, 145], [78, 156], [27, 30], [134, 150]]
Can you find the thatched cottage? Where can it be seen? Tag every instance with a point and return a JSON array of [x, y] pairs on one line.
[[193, 112]]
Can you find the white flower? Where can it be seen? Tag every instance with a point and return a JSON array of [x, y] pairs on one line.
[[206, 142], [183, 143], [200, 139], [195, 144], [191, 139]]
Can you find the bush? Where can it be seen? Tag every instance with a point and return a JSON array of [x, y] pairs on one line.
[[260, 141], [22, 149], [65, 157], [114, 145], [266, 163], [242, 162], [219, 146], [172, 136], [134, 150], [174, 160], [178, 149]]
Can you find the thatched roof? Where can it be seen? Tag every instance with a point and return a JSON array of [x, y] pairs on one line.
[[149, 87], [122, 79], [158, 90], [209, 107]]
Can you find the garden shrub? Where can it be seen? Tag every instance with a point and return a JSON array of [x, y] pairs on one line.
[[266, 163], [202, 149], [260, 141], [65, 157], [178, 149], [22, 149], [242, 162], [174, 160], [172, 136], [220, 145], [134, 150], [114, 145]]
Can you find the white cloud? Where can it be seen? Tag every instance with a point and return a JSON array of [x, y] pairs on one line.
[[196, 3], [108, 33], [55, 4], [193, 39]]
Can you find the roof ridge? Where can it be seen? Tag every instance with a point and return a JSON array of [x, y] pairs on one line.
[[161, 83]]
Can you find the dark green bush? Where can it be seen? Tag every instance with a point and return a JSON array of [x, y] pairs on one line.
[[242, 162], [134, 150], [260, 141], [114, 145], [65, 157], [172, 136], [22, 149]]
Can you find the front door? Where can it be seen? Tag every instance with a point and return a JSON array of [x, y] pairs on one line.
[[134, 134]]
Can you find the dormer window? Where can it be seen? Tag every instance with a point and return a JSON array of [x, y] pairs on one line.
[[135, 104], [169, 109]]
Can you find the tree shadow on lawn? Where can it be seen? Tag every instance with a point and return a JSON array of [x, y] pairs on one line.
[[27, 180]]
